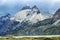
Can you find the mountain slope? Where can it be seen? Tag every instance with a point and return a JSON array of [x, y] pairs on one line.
[[57, 14]]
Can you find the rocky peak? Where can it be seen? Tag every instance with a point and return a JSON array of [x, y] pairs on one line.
[[35, 8], [26, 7]]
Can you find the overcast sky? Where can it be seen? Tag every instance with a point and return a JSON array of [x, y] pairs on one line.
[[13, 6]]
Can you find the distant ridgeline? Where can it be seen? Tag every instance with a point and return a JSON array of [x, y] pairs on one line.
[[30, 21]]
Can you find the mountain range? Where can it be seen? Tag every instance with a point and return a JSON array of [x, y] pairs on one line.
[[30, 21]]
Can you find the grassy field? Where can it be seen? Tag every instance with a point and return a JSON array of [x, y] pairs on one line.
[[33, 38]]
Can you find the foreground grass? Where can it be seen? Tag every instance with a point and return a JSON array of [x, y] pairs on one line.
[[32, 38]]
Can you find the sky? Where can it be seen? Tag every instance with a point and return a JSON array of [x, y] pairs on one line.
[[46, 7]]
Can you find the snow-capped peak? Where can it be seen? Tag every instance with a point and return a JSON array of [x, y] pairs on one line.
[[29, 14]]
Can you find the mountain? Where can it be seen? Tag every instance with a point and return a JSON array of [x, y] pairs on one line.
[[35, 8], [57, 14], [20, 21], [26, 7], [31, 15], [29, 21], [56, 17], [49, 26]]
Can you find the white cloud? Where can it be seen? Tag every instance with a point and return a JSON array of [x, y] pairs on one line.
[[55, 1], [50, 2], [2, 2], [32, 0]]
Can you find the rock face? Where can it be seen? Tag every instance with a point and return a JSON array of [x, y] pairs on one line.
[[26, 7], [57, 14], [34, 8]]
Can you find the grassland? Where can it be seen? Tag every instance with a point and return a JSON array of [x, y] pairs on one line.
[[32, 38]]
